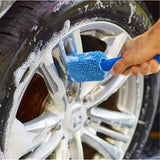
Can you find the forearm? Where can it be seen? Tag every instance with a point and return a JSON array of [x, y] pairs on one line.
[[153, 36]]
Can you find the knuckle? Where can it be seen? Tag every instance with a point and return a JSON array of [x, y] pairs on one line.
[[154, 66], [116, 70], [126, 61], [124, 48], [119, 67], [144, 68], [134, 70], [125, 73]]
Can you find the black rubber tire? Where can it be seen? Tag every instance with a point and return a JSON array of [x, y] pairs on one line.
[[17, 42]]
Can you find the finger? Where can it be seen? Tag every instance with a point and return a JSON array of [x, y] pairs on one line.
[[123, 50], [144, 68], [134, 70], [118, 68], [154, 66], [125, 73]]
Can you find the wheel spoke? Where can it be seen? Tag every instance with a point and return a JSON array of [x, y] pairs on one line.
[[53, 81], [87, 88], [20, 141], [101, 146], [62, 151], [48, 146], [74, 44], [105, 89], [115, 135], [44, 121], [60, 54], [115, 44], [76, 147], [63, 57], [113, 117]]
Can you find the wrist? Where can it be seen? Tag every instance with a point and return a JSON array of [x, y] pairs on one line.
[[153, 38]]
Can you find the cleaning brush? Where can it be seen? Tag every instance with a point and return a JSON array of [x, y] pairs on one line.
[[91, 66]]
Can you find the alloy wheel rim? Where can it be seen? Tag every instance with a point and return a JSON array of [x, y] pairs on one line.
[[71, 115]]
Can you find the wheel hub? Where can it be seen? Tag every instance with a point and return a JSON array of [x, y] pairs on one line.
[[76, 118]]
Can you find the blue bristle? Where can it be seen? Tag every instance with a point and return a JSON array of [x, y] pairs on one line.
[[85, 67]]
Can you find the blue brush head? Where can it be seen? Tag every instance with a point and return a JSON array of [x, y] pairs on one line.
[[91, 66], [85, 67]]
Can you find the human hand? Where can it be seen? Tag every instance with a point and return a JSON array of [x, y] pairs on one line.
[[138, 53]]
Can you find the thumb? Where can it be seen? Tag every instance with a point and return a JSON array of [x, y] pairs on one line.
[[118, 68]]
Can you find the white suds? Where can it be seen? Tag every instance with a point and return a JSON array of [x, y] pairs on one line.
[[99, 4], [60, 4], [67, 25], [34, 39], [1, 155], [86, 7], [72, 58], [34, 28], [89, 58], [133, 9], [32, 62], [141, 122], [18, 145]]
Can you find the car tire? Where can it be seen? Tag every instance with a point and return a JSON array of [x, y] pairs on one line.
[[28, 26]]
